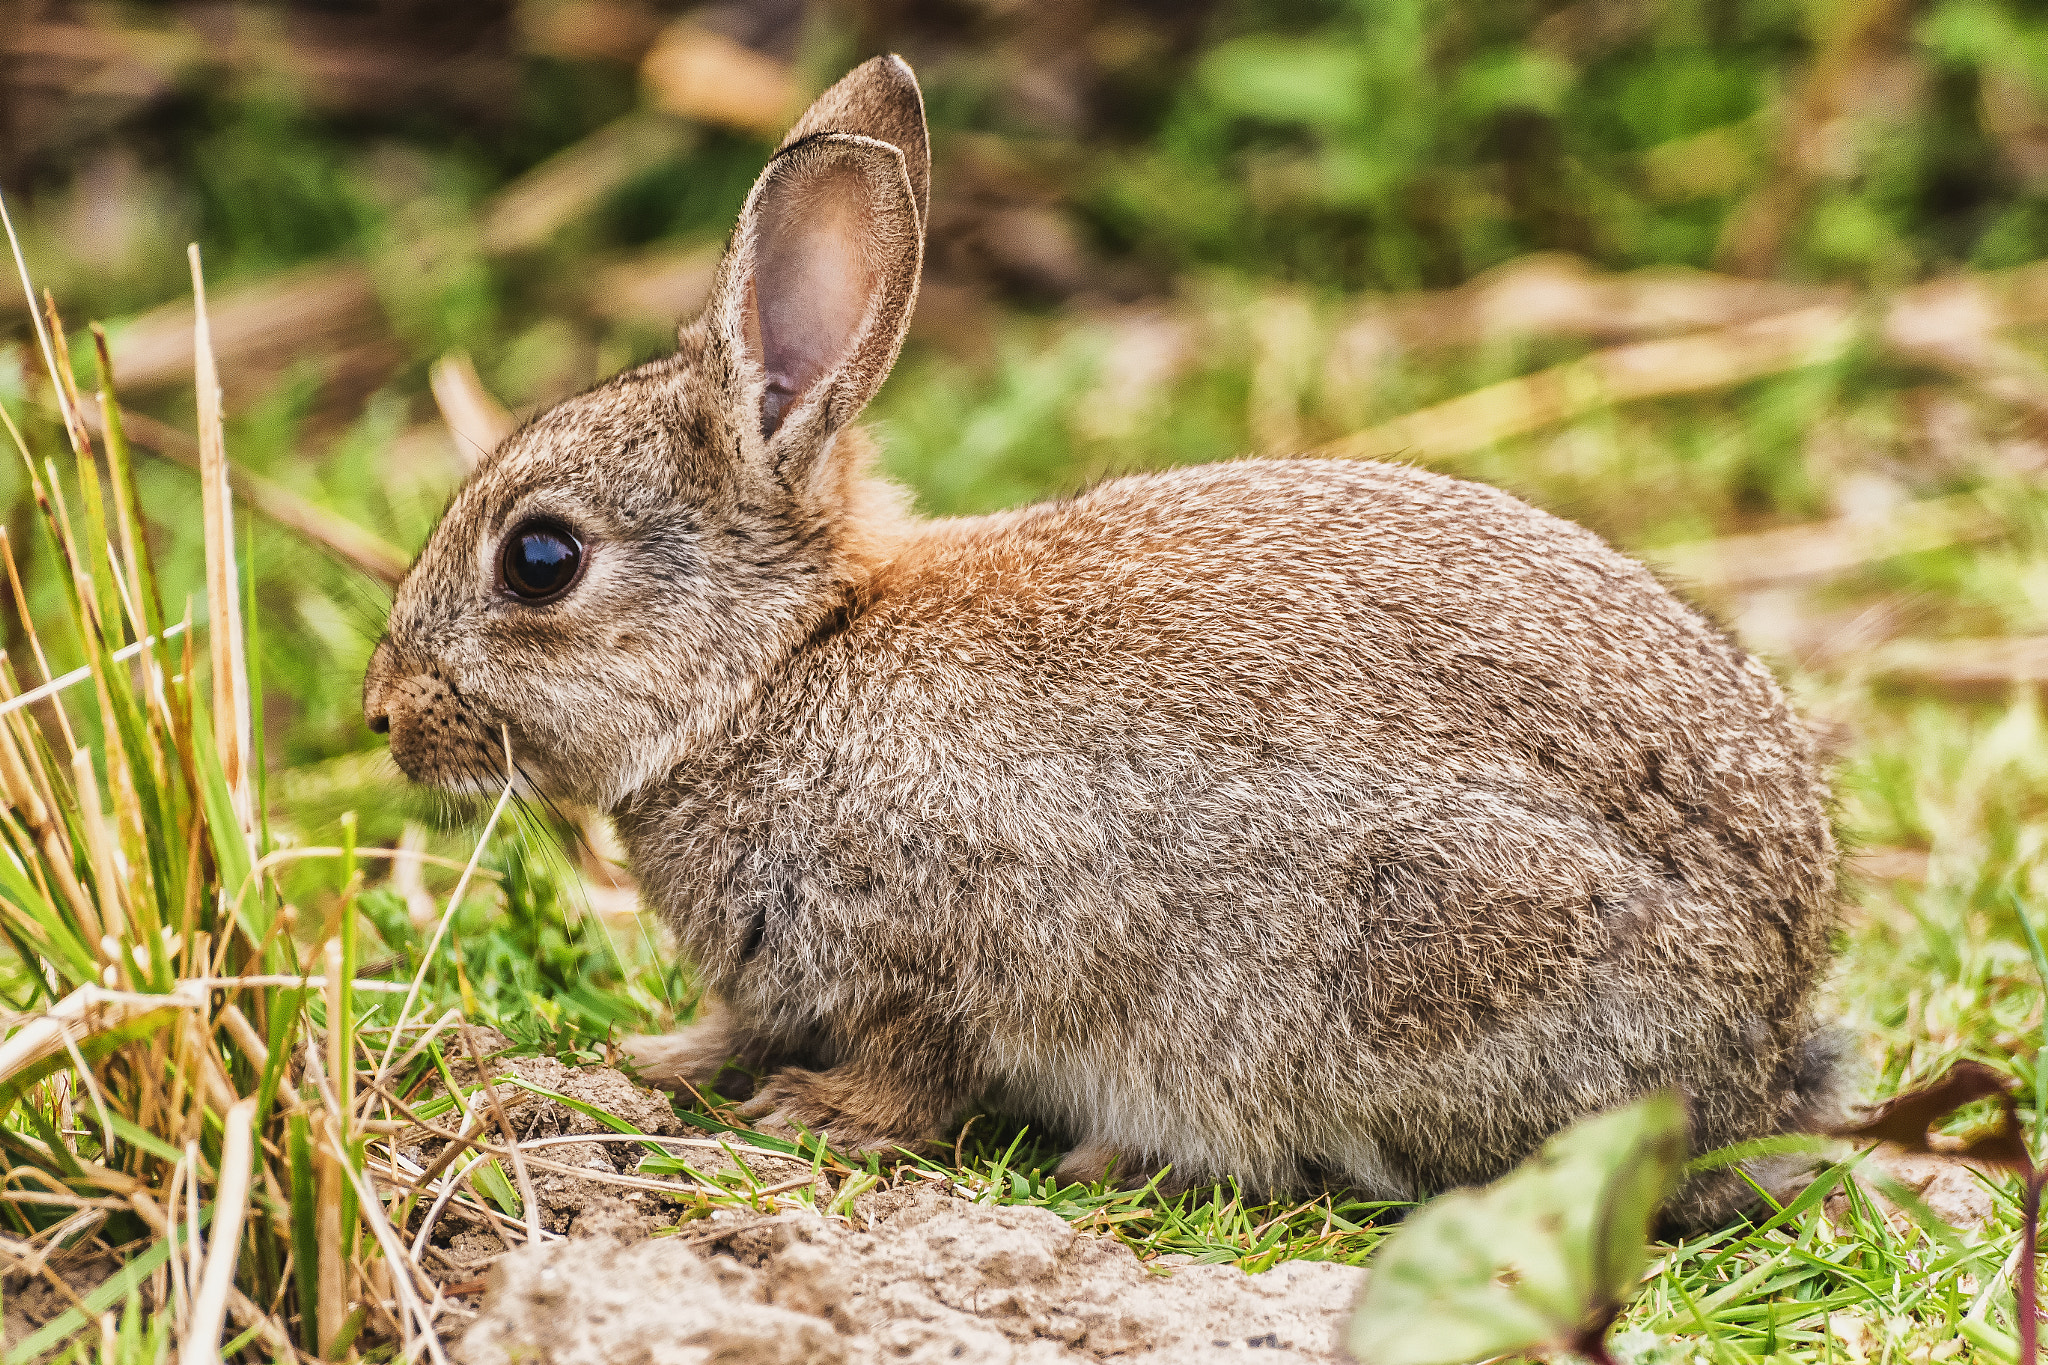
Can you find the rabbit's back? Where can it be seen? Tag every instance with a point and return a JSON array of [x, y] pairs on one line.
[[1276, 816], [1374, 620]]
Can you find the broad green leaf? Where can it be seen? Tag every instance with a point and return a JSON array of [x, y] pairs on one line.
[[1287, 80], [1545, 1257]]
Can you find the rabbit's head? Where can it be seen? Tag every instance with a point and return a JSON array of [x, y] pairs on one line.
[[620, 574]]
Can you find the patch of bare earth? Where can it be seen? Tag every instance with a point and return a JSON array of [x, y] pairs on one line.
[[915, 1274], [932, 1278]]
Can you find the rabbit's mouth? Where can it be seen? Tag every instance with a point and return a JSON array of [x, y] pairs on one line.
[[438, 737]]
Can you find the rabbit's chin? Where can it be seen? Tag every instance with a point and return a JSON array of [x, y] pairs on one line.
[[591, 777]]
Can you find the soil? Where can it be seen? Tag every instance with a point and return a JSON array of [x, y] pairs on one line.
[[929, 1278], [465, 1246], [916, 1273], [30, 1299]]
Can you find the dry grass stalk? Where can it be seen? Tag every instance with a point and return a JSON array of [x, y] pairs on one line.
[[448, 917], [312, 311], [330, 1158], [474, 417], [1949, 324], [580, 30], [656, 288], [1550, 294], [1965, 670], [223, 581], [526, 1195], [86, 1012], [709, 77], [1794, 554], [202, 1340], [354, 546], [1623, 374], [568, 185], [408, 881]]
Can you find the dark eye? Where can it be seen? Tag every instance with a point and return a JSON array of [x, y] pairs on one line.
[[541, 560]]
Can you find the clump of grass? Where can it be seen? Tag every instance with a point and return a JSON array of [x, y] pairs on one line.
[[166, 1090]]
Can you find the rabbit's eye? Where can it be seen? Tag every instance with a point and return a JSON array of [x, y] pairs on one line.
[[541, 560]]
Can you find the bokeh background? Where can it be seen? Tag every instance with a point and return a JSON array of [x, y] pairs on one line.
[[1753, 287]]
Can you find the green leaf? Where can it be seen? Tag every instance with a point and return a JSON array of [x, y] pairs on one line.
[[224, 829], [490, 1178], [1544, 1258], [305, 1195], [135, 1135], [1287, 80], [589, 1111]]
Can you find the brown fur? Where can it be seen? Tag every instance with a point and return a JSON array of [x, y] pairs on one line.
[[1287, 821]]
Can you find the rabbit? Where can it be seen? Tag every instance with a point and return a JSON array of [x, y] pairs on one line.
[[1300, 823]]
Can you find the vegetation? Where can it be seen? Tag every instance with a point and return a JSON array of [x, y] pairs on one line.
[[1242, 227]]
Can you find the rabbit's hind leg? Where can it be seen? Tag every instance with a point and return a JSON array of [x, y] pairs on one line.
[[1095, 1162], [895, 1089]]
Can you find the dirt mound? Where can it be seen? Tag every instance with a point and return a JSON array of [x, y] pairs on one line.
[[933, 1279]]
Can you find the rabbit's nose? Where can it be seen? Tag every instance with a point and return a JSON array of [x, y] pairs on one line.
[[376, 710]]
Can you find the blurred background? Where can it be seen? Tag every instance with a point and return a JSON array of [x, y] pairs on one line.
[[1751, 287]]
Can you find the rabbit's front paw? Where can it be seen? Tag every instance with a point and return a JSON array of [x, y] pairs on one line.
[[854, 1118], [715, 1052]]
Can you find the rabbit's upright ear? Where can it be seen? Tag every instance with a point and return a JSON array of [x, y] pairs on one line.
[[816, 290]]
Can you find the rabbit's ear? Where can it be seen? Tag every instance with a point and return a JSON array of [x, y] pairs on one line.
[[877, 99], [815, 293]]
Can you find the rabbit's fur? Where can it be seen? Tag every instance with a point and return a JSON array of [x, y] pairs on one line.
[[1290, 821]]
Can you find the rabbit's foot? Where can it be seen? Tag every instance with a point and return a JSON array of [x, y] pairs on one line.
[[1097, 1163], [857, 1111], [716, 1052]]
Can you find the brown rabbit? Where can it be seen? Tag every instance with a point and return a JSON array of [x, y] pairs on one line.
[[1285, 821]]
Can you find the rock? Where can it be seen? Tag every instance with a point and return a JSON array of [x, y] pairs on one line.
[[1951, 1190]]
